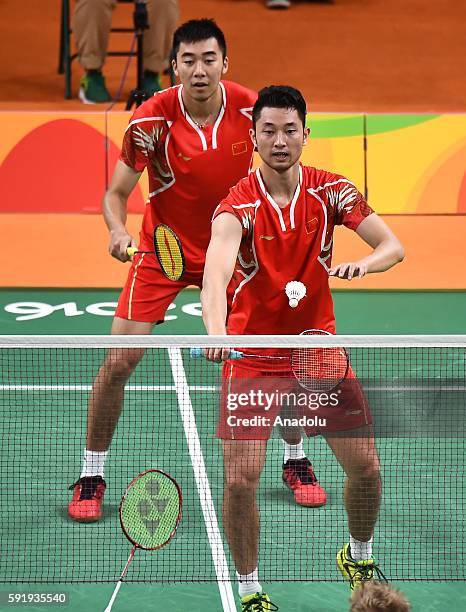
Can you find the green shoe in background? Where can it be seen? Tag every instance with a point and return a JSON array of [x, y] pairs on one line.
[[151, 83], [93, 89]]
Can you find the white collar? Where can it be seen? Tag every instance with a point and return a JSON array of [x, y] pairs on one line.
[[275, 205], [195, 126]]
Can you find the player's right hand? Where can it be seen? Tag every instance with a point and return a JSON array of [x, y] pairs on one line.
[[119, 242], [217, 354]]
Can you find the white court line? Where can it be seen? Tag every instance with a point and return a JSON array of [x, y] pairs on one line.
[[202, 481], [210, 388]]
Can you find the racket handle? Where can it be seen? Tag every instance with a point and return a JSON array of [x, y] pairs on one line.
[[115, 593], [131, 251], [197, 353]]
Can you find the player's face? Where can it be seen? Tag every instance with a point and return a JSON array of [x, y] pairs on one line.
[[200, 67], [279, 137]]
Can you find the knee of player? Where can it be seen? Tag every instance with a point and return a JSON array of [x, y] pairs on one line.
[[241, 482], [370, 470], [367, 470], [122, 368]]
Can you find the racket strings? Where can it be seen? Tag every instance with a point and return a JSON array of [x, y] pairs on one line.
[[150, 511], [319, 368], [169, 252]]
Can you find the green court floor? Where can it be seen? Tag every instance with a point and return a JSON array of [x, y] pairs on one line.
[[61, 550], [77, 311]]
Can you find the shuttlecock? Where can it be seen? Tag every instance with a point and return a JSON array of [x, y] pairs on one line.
[[295, 291]]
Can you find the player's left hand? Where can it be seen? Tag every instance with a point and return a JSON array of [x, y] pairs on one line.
[[349, 270], [217, 354]]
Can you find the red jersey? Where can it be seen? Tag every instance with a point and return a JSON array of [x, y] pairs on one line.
[[190, 169], [280, 245]]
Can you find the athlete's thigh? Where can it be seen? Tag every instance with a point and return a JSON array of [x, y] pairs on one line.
[[147, 293], [245, 413], [243, 459], [126, 359], [355, 450], [125, 327]]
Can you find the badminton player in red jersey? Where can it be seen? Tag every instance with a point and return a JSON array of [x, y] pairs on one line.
[[276, 226], [194, 141]]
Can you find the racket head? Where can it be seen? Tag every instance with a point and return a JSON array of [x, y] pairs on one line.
[[319, 369], [150, 509], [169, 252]]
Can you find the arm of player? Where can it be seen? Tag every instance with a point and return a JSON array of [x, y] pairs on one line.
[[114, 208], [387, 252], [219, 265]]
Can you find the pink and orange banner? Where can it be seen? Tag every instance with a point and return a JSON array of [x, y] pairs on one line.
[[54, 168]]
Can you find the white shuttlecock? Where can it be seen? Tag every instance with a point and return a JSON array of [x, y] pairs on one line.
[[295, 291]]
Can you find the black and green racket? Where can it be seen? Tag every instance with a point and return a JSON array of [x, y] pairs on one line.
[[168, 250], [150, 511]]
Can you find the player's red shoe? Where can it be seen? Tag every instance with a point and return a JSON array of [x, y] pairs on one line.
[[299, 476], [88, 495]]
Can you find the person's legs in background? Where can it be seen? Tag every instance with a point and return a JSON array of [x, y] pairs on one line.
[[91, 25], [163, 18]]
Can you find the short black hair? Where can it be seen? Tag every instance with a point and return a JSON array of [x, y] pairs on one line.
[[279, 96], [197, 30]]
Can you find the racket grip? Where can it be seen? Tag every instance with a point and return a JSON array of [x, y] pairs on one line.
[[115, 593], [197, 353], [131, 251]]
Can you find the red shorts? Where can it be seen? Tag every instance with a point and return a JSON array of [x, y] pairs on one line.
[[148, 292], [253, 402]]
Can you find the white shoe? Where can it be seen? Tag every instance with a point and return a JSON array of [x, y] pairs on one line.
[[278, 4]]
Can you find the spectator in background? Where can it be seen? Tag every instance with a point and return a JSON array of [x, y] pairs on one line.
[[91, 26], [374, 596], [277, 4]]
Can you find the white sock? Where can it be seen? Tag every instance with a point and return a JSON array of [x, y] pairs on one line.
[[293, 451], [248, 584], [93, 464], [361, 551]]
